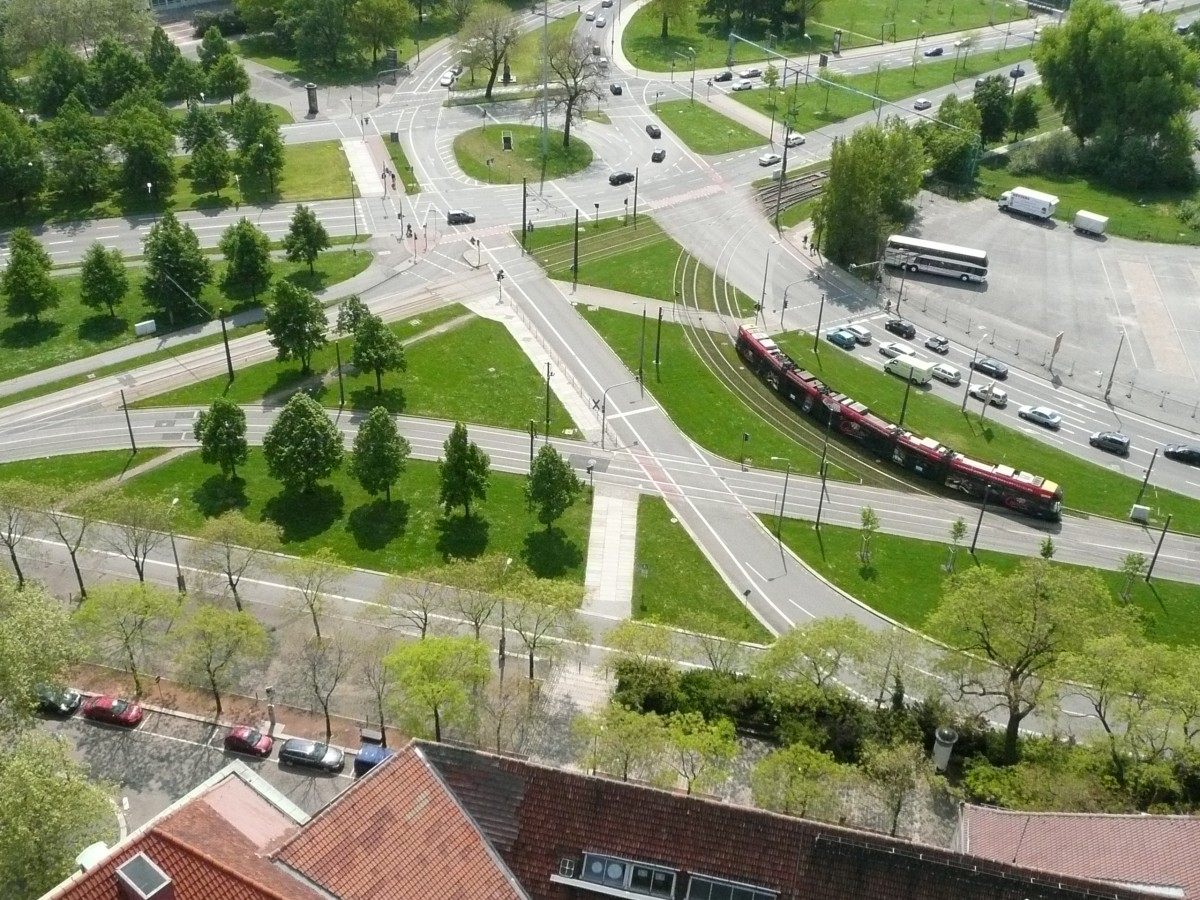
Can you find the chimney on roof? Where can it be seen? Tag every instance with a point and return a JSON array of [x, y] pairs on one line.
[[138, 878]]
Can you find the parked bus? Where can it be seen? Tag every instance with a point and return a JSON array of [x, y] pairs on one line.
[[917, 255]]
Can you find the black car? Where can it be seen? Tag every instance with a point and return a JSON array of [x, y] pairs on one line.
[[934, 51], [937, 344], [311, 755], [902, 327], [658, 156], [617, 178], [723, 76], [653, 130], [459, 217], [990, 367], [1183, 453], [1110, 442], [58, 701], [1016, 72], [616, 89]]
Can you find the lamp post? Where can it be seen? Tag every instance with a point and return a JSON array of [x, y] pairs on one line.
[[604, 407], [503, 621], [987, 489], [500, 285], [783, 309], [820, 315], [970, 369], [808, 57], [150, 194], [354, 213], [762, 303], [832, 408], [786, 476], [692, 89], [179, 582]]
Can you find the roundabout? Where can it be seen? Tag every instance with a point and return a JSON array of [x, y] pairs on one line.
[[504, 153]]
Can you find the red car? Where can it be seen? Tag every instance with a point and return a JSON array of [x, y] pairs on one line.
[[112, 710], [244, 739]]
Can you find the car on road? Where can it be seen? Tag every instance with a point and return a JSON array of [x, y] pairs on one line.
[[980, 82], [251, 741], [1184, 453], [448, 78], [934, 51], [723, 76], [1040, 415], [744, 85], [769, 159], [922, 104], [1110, 442], [793, 140], [841, 338], [590, 16], [750, 73], [616, 89], [937, 344], [653, 130], [112, 711], [457, 69], [902, 327], [993, 368], [459, 217], [891, 349], [601, 22], [617, 178], [989, 392], [606, 3], [946, 373], [658, 155], [56, 700], [311, 755], [1016, 72]]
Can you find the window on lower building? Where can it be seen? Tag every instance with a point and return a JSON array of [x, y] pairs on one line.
[[701, 887], [637, 878]]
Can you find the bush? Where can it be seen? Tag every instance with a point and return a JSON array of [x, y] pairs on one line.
[[1189, 213], [228, 22]]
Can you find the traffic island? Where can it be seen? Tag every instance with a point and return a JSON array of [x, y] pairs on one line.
[[505, 154]]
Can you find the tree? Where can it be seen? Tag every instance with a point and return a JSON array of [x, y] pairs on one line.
[[199, 127], [870, 525], [952, 142], [435, 679], [883, 663], [302, 446], [213, 47], [324, 664], [306, 237], [77, 144], [994, 102], [227, 78], [770, 76], [372, 665], [552, 486], [474, 596], [184, 81], [29, 291], [211, 165], [554, 619], [123, 622], [321, 29], [221, 433], [700, 751], [22, 169], [36, 645], [137, 526], [113, 72], [295, 321], [247, 251], [802, 10], [50, 808], [1133, 565], [799, 781], [377, 349], [958, 531], [161, 54], [1010, 631], [20, 503], [378, 23], [264, 157], [506, 709], [1047, 549], [718, 642], [59, 75], [1024, 113], [380, 453], [103, 281], [176, 271], [147, 147], [415, 601], [815, 651], [894, 774], [464, 472], [490, 31], [71, 528], [351, 313], [621, 742], [458, 10], [217, 645], [313, 577], [677, 11], [574, 75], [230, 544]]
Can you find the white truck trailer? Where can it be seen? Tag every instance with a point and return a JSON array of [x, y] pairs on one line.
[[915, 369], [1090, 223], [1028, 202]]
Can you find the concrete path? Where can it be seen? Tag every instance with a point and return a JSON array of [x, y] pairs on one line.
[[604, 298], [612, 553], [363, 167]]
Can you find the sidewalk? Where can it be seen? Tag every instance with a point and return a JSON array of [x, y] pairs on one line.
[[612, 553]]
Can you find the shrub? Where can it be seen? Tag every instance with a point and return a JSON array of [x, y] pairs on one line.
[[1189, 213], [228, 22]]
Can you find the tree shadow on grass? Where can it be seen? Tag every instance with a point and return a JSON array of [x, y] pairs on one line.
[[313, 281], [220, 494], [392, 399], [288, 383], [550, 554], [102, 327], [27, 333], [375, 524], [462, 538], [305, 514]]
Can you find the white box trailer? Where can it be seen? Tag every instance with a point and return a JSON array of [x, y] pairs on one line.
[[1090, 222], [1029, 202], [915, 369]]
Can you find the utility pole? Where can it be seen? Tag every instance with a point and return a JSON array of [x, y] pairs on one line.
[[225, 340], [642, 358], [545, 80], [524, 213], [987, 489], [337, 352], [128, 424], [658, 344], [635, 192], [548, 374], [575, 257], [820, 315], [532, 435], [1146, 480], [1157, 547], [1113, 373]]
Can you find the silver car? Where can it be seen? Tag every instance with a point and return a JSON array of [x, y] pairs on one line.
[[1040, 415]]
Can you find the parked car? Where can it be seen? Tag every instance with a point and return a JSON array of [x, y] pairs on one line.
[[744, 85], [56, 700], [723, 76], [989, 392], [1184, 453], [948, 374], [841, 338], [1040, 415], [769, 159], [794, 140], [922, 104], [1110, 442], [993, 368], [457, 69], [459, 217], [616, 89], [617, 178], [937, 344], [601, 22], [902, 327], [112, 710], [891, 349], [750, 73], [311, 755], [934, 51], [244, 739], [653, 130], [369, 756], [590, 16], [658, 155]]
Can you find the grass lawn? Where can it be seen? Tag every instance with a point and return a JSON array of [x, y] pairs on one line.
[[525, 59], [706, 131], [474, 148], [362, 530], [80, 469], [801, 212], [905, 579], [73, 331], [639, 260], [404, 171], [701, 406], [674, 581], [1087, 487]]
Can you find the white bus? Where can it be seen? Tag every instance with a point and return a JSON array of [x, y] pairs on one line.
[[917, 255]]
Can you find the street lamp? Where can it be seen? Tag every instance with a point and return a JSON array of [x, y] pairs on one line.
[[692, 89], [785, 293], [500, 285], [766, 266], [503, 616], [179, 582], [970, 370], [787, 475], [604, 407], [832, 408], [820, 315], [807, 58]]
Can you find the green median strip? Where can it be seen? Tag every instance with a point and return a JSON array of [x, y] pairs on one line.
[[706, 131]]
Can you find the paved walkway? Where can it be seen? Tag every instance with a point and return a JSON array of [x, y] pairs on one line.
[[631, 303], [612, 553]]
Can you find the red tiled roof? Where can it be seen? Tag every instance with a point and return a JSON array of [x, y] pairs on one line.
[[1160, 852], [395, 835]]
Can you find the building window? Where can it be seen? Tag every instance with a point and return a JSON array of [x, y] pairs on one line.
[[701, 887], [637, 878]]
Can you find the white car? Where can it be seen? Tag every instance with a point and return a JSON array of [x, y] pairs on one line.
[[590, 16], [990, 393], [892, 349], [922, 104], [948, 374], [743, 85], [601, 21], [794, 140], [1040, 415], [770, 159], [448, 78], [750, 73]]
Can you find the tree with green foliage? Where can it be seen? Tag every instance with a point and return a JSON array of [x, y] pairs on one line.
[[994, 102], [490, 31], [20, 502], [216, 646], [895, 773], [176, 269], [161, 54], [552, 486], [314, 578], [22, 169], [265, 157], [221, 432], [213, 47], [227, 78], [952, 141], [377, 349], [799, 781], [183, 81], [868, 527], [351, 312], [28, 289], [113, 72], [136, 526], [50, 809], [621, 743], [103, 281], [1024, 118], [379, 23], [958, 531], [211, 165], [306, 237], [247, 252], [1047, 548], [1132, 565], [548, 622], [464, 472], [321, 30], [700, 751], [230, 543], [147, 147], [36, 646], [678, 11], [380, 453], [436, 679], [199, 127], [59, 74], [814, 651], [248, 119], [302, 445], [123, 622], [295, 320], [77, 145]]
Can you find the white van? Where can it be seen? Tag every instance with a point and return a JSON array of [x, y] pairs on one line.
[[861, 334], [916, 370]]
